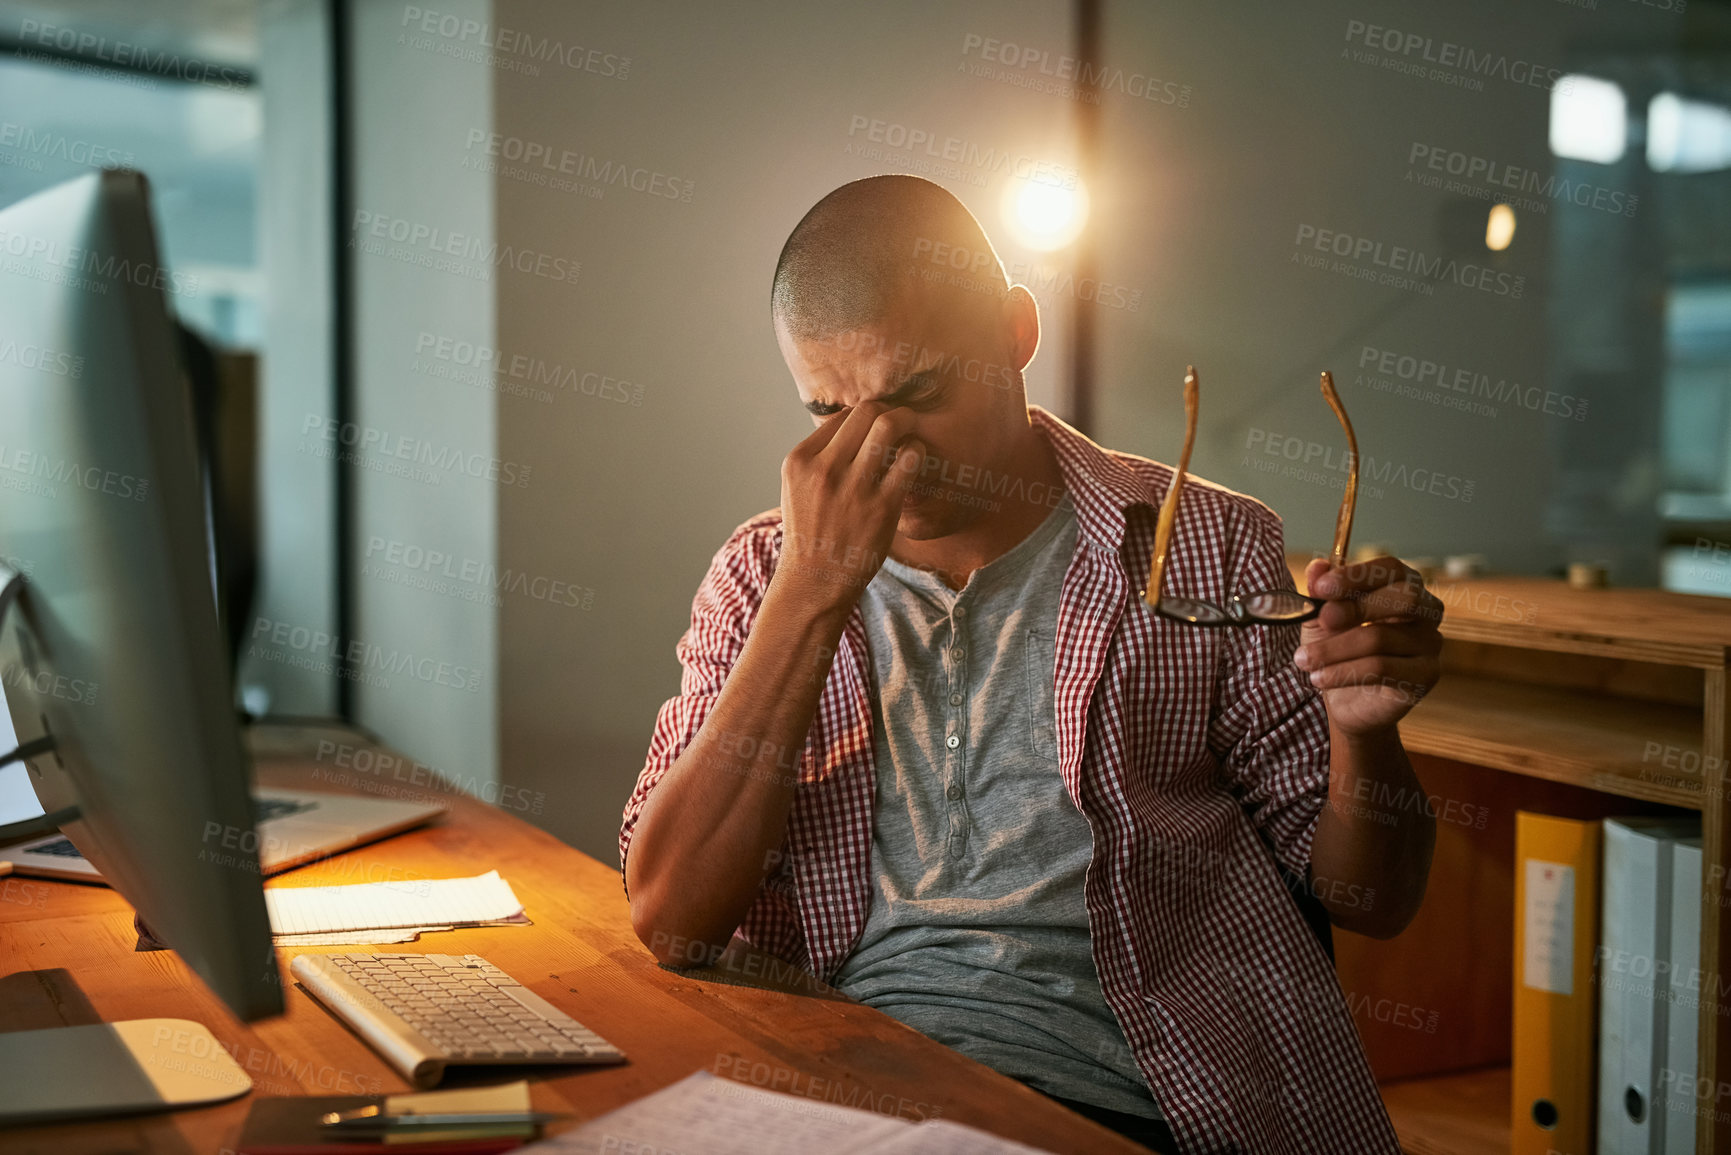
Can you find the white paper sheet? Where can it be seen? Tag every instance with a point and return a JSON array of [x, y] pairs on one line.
[[941, 1137], [1550, 927], [356, 937], [720, 1117], [371, 906]]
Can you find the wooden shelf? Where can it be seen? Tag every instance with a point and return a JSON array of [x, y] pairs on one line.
[[1612, 695], [1458, 1114], [1546, 614], [1599, 742]]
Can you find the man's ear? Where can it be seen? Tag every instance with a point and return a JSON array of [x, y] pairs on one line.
[[1022, 316]]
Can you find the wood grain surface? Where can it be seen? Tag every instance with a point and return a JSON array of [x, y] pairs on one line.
[[70, 958]]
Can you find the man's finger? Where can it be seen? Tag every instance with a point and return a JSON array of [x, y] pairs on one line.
[[1360, 578], [845, 446], [1335, 616], [1401, 603], [815, 442], [1406, 641], [878, 453], [1410, 678]]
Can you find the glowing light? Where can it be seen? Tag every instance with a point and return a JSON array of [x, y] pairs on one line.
[[1589, 119], [1687, 135], [1499, 228], [1045, 216]]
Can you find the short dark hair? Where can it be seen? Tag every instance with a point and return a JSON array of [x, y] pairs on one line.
[[867, 242]]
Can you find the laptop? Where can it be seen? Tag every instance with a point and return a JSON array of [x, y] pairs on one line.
[[294, 827]]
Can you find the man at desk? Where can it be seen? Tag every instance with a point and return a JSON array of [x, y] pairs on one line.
[[932, 746]]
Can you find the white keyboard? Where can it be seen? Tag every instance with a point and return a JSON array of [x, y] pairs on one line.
[[423, 1012]]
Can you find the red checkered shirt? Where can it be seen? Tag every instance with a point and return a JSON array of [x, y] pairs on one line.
[[1198, 756]]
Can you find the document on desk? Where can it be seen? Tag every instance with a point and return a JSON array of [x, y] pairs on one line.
[[377, 909], [720, 1117]]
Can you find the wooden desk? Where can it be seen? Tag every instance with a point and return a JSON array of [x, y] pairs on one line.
[[69, 958]]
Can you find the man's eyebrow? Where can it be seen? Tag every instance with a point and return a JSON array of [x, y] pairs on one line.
[[900, 393]]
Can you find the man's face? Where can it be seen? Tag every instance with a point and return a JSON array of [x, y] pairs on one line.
[[958, 370]]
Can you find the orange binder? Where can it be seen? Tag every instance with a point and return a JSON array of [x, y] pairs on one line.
[[1556, 938]]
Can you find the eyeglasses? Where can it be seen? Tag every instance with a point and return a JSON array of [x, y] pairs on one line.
[[1264, 607]]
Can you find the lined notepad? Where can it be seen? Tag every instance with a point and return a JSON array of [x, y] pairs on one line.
[[720, 1117], [377, 907]]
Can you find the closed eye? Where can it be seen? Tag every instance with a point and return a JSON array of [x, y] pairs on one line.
[[920, 389]]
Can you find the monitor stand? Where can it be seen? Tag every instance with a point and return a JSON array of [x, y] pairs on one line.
[[11, 586], [104, 1068], [113, 1069]]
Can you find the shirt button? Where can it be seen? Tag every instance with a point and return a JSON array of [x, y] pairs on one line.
[[957, 653], [961, 611], [952, 741], [955, 699], [954, 792]]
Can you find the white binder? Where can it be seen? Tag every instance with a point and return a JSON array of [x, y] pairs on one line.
[[1675, 1098], [1635, 929]]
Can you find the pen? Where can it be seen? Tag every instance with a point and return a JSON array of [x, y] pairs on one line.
[[373, 1118]]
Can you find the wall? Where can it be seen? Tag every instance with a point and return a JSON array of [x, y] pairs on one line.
[[297, 562], [758, 115], [428, 466]]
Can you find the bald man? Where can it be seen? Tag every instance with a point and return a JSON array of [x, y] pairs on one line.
[[931, 745]]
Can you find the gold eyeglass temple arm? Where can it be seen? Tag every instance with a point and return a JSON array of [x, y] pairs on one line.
[[1348, 500], [1169, 506]]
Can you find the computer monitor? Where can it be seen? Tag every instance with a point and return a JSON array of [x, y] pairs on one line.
[[114, 669]]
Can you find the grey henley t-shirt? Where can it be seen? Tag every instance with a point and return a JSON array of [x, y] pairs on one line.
[[977, 934]]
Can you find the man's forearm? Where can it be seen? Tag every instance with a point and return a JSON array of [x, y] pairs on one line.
[[707, 835], [1374, 838]]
